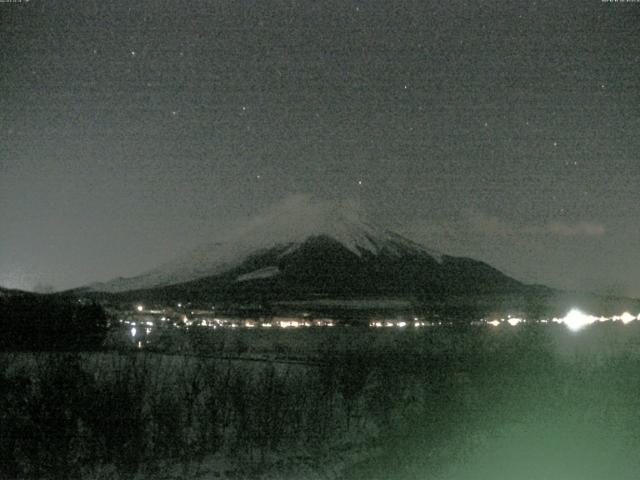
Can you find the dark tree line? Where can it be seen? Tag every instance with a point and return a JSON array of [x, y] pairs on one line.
[[44, 322]]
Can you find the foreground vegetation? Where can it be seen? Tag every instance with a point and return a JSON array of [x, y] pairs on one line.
[[30, 321], [387, 405]]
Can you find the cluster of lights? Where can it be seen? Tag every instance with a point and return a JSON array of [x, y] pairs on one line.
[[574, 320], [417, 323], [513, 321], [250, 323], [293, 323]]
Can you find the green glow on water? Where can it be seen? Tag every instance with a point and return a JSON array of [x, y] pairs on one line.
[[567, 449], [539, 404]]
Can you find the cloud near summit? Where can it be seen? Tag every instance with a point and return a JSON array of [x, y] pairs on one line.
[[475, 222], [587, 229]]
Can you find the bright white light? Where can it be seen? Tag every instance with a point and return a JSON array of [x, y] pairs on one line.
[[495, 323], [139, 308], [133, 331], [514, 321], [402, 324], [575, 320], [626, 317]]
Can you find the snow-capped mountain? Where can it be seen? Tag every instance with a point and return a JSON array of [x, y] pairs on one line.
[[289, 224], [304, 247]]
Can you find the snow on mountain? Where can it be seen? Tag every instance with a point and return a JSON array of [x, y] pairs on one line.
[[259, 274], [286, 226]]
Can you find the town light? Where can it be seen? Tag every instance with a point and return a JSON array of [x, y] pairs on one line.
[[626, 317], [576, 320]]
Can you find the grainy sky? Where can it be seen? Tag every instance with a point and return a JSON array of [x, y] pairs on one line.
[[508, 131]]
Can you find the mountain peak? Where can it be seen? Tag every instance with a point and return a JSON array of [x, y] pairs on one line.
[[287, 225], [301, 216]]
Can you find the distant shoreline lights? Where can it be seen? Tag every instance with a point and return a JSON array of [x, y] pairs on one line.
[[575, 320]]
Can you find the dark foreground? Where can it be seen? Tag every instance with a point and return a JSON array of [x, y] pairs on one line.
[[481, 403]]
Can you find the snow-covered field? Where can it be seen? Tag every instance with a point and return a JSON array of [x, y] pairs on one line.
[[481, 403]]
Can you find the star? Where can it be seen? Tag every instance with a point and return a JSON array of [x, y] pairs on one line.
[[133, 53]]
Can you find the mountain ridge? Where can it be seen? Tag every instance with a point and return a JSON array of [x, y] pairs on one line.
[[289, 224], [303, 248]]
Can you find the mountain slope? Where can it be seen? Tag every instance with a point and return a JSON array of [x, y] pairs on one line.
[[12, 292], [312, 249], [289, 224]]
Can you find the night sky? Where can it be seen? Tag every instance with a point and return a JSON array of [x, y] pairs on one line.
[[508, 131]]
